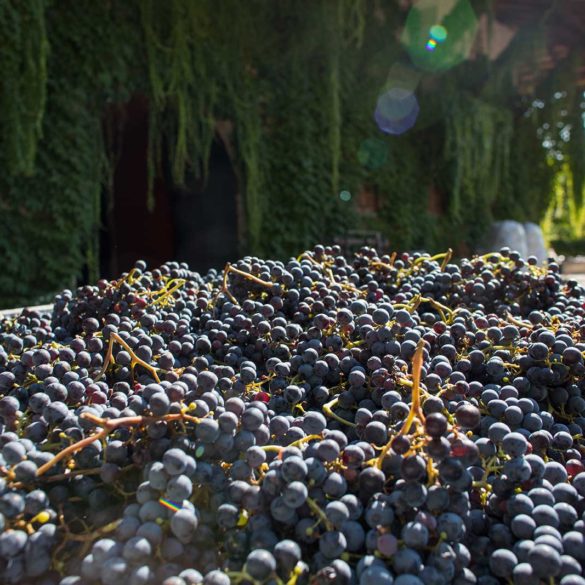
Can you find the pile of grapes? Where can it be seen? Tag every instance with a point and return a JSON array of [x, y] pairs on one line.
[[375, 420]]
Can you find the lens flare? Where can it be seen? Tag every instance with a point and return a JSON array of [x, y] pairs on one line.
[[396, 111], [373, 153], [170, 504], [403, 75], [439, 34], [345, 196]]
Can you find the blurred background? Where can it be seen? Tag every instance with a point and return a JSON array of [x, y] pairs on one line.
[[201, 130]]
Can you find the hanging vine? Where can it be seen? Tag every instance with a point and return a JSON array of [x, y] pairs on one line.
[[299, 84], [23, 88]]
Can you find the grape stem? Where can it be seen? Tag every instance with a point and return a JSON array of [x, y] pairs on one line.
[[446, 259], [444, 255], [315, 508], [328, 410], [129, 278], [297, 571], [239, 576], [107, 426], [229, 268], [517, 322], [224, 285], [382, 265], [305, 440], [115, 338], [168, 292], [415, 407]]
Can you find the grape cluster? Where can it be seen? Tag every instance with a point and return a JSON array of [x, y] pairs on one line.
[[327, 420]]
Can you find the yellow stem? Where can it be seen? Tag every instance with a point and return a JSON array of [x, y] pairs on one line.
[[179, 283], [517, 322], [107, 426], [447, 259], [114, 337], [305, 440], [415, 407], [327, 409], [249, 276], [317, 510]]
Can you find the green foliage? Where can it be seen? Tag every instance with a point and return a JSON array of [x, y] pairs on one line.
[[23, 59], [573, 247], [531, 174], [561, 113], [50, 217], [477, 156], [299, 82]]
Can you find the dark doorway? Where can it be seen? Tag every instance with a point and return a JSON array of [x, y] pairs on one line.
[[195, 223], [130, 231], [205, 215]]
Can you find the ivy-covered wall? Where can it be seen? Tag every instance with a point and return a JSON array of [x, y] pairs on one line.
[[299, 81]]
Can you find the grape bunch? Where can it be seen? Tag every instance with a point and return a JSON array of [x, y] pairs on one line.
[[375, 420]]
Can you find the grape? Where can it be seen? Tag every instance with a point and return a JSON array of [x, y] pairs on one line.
[[115, 569], [260, 564], [415, 535], [408, 580], [545, 561], [12, 542], [295, 494], [574, 545], [281, 512], [502, 562], [191, 576], [337, 513], [173, 581], [377, 575], [523, 574], [208, 430], [332, 544], [520, 504], [293, 469], [406, 560], [13, 452], [545, 515], [487, 486], [179, 488], [104, 549], [379, 513], [514, 444], [354, 534], [452, 525], [152, 511], [550, 540], [137, 549], [171, 549], [35, 501], [216, 578], [183, 525], [523, 526], [37, 564], [387, 544], [572, 580], [174, 461], [468, 416], [141, 576], [335, 485], [127, 527], [579, 483], [435, 424]]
